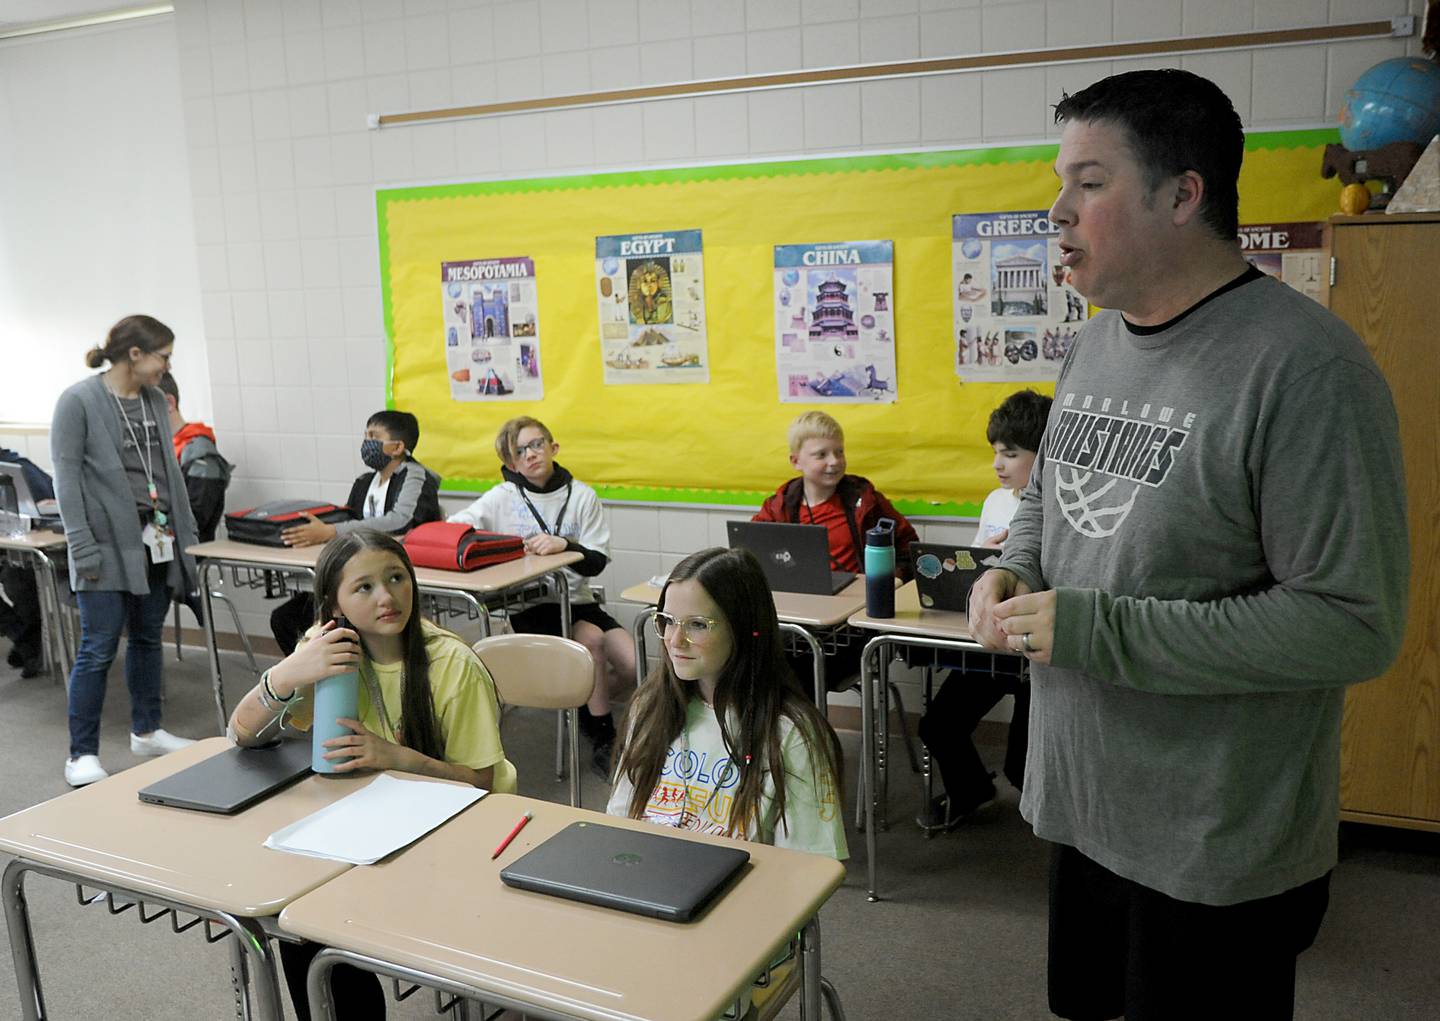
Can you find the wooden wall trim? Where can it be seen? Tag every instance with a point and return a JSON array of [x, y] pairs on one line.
[[914, 68]]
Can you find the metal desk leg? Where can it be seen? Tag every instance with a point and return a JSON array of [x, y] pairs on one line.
[[211, 646], [55, 641], [22, 943], [810, 971], [928, 779], [821, 693], [569, 720], [870, 655]]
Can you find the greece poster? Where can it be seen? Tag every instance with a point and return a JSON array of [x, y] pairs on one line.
[[1016, 312]]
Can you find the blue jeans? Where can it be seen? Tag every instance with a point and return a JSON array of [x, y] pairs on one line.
[[103, 615]]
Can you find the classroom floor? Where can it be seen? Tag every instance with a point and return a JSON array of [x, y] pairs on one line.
[[960, 935]]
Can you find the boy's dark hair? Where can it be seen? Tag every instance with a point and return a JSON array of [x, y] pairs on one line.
[[169, 386], [401, 425], [1019, 421], [1176, 121]]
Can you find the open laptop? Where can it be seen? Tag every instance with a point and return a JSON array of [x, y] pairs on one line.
[[641, 871], [233, 780], [795, 558], [42, 513], [944, 572]]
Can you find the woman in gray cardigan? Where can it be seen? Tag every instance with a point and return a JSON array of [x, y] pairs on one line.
[[127, 519]]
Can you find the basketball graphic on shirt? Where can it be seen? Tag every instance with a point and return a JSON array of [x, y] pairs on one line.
[[1106, 451], [1090, 502]]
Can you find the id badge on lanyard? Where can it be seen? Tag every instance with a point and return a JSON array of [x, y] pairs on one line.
[[158, 536]]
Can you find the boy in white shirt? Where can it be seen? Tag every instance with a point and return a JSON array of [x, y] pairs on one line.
[[1015, 430], [549, 508]]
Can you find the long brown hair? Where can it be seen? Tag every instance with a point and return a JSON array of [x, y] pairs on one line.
[[419, 728], [755, 691], [145, 332]]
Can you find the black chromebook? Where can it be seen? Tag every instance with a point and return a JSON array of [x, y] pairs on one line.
[[643, 872], [233, 780]]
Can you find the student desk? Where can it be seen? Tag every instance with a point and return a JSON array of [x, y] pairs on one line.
[[438, 915], [915, 627], [44, 548], [817, 621], [474, 589], [167, 862]]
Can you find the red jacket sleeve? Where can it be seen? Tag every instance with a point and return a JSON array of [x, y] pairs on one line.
[[773, 509]]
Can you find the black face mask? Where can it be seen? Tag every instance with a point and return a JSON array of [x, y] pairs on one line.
[[372, 452]]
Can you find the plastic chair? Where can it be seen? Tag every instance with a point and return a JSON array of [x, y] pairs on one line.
[[542, 672]]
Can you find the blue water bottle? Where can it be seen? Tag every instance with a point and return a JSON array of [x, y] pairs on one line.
[[335, 697], [880, 569]]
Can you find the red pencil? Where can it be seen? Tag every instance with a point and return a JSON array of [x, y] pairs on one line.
[[511, 836]]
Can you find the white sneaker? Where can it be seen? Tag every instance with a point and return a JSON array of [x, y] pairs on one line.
[[157, 742], [84, 769]]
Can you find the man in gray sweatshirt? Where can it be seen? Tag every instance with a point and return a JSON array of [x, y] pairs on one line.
[[1211, 547]]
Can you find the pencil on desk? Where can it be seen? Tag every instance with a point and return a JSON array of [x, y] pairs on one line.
[[511, 836]]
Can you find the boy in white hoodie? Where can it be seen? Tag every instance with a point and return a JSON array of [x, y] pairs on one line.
[[549, 508]]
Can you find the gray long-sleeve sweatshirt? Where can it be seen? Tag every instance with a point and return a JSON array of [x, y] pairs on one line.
[[1220, 507]]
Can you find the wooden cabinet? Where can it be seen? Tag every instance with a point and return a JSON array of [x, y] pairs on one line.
[[1386, 278]]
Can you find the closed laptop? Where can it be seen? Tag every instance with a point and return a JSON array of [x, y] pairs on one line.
[[233, 780], [944, 572], [646, 872]]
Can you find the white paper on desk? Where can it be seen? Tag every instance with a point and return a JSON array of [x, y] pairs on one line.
[[385, 816]]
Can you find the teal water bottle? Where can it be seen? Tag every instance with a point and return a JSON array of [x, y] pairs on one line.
[[880, 569], [335, 697]]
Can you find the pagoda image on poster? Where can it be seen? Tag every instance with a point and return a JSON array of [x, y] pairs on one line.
[[492, 329], [1016, 310], [650, 290], [835, 322]]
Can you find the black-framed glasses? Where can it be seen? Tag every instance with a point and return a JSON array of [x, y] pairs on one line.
[[536, 446], [696, 630]]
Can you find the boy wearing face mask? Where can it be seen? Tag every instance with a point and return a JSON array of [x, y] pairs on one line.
[[397, 494]]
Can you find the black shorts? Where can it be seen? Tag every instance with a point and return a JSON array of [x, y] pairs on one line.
[[544, 618], [1121, 949]]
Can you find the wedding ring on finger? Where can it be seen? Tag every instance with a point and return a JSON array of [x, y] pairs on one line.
[[1025, 642]]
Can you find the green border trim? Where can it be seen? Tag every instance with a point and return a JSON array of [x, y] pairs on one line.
[[721, 497]]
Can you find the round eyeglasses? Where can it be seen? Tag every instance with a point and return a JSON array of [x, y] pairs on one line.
[[696, 630]]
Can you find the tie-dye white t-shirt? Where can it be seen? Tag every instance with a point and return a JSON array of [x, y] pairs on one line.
[[696, 790]]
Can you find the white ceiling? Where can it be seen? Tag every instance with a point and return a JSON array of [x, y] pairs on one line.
[[15, 13]]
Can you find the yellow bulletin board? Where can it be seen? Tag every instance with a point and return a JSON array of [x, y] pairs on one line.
[[724, 442]]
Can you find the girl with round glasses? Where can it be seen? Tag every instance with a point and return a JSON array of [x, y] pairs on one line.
[[721, 738]]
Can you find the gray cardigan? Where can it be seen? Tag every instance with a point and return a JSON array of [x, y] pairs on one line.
[[96, 503]]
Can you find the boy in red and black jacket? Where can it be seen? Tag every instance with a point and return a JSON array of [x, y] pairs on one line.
[[846, 505]]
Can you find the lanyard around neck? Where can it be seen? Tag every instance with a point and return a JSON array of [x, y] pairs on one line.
[[541, 521], [142, 450]]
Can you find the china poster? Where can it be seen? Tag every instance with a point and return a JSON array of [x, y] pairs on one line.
[[835, 322]]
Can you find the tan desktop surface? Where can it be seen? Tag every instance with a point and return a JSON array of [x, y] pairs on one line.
[[440, 907], [486, 579], [791, 607], [105, 832], [41, 539], [911, 619]]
